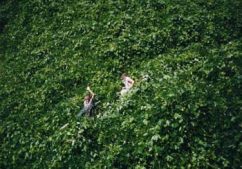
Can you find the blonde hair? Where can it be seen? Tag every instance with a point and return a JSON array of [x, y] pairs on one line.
[[123, 75]]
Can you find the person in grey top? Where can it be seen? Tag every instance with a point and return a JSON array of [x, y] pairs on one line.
[[88, 103]]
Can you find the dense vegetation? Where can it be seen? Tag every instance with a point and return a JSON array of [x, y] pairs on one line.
[[185, 113]]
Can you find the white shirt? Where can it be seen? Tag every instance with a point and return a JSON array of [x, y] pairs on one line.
[[128, 82]]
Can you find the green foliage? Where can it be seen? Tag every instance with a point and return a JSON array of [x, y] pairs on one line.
[[183, 112]]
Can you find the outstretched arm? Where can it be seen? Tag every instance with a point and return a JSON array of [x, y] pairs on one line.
[[88, 89]]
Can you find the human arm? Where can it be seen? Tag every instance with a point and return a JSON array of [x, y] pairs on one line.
[[89, 89], [92, 93]]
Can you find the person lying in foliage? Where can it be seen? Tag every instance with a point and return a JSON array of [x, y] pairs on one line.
[[88, 103], [128, 84]]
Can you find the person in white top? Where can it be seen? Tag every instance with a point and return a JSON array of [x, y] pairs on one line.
[[128, 84], [88, 103]]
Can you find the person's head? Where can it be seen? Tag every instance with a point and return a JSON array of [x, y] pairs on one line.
[[87, 98], [123, 75]]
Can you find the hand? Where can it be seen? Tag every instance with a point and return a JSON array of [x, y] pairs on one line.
[[88, 88]]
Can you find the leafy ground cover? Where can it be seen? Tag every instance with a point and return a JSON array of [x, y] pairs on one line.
[[185, 108]]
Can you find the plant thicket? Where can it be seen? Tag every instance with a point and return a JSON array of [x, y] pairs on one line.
[[183, 112]]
